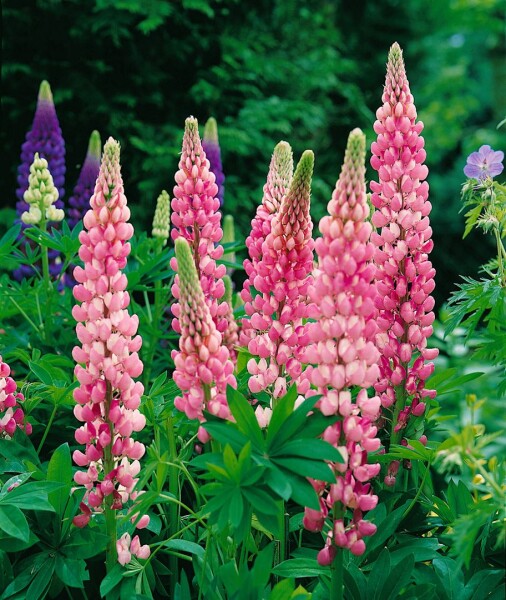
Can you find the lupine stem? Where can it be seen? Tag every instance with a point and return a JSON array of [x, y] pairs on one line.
[[48, 427], [47, 281], [173, 489], [337, 582], [400, 403]]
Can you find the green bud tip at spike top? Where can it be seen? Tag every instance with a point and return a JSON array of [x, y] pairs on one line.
[[228, 236], [300, 187], [95, 144], [161, 219], [211, 130], [45, 93]]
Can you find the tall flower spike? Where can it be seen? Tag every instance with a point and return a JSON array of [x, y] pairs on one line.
[[12, 416], [343, 354], [196, 218], [405, 277], [79, 202], [278, 182], [45, 137], [107, 399], [41, 195], [276, 313], [202, 364], [211, 146]]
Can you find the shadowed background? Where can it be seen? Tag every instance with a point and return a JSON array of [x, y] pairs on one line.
[[307, 72]]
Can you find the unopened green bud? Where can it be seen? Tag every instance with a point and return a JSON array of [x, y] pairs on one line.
[[161, 220], [228, 236], [41, 194]]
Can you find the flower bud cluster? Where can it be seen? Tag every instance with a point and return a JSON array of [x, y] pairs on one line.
[[278, 182], [277, 311], [12, 416], [127, 546], [405, 276], [196, 218], [107, 399], [79, 202], [41, 195], [161, 220], [203, 368]]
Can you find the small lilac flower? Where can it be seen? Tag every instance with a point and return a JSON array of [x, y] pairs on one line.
[[484, 163]]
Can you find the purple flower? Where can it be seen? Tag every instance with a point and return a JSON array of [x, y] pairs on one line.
[[211, 147], [484, 163], [45, 137], [79, 202]]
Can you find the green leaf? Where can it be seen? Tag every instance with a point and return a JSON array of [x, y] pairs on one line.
[[84, 543], [281, 412], [299, 567], [398, 577], [316, 449], [226, 433], [14, 522], [185, 546], [111, 580], [30, 496], [378, 575], [303, 492], [482, 584], [60, 469], [306, 467], [276, 480], [450, 576], [40, 583], [72, 571], [245, 418], [260, 500]]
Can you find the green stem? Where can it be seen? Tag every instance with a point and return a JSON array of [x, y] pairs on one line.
[[47, 283], [337, 581], [48, 427], [400, 403], [500, 250], [24, 314], [282, 540], [173, 507], [418, 492]]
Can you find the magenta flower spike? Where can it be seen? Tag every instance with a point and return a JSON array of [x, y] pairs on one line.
[[195, 217], [12, 416], [341, 354], [277, 311], [108, 398], [278, 181], [203, 368], [405, 277]]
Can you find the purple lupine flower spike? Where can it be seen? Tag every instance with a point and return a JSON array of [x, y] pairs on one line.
[[45, 137], [79, 202], [211, 146]]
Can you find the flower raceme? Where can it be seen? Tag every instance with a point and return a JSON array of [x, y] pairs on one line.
[[41, 195], [195, 217], [405, 277], [12, 416], [161, 218], [341, 354], [203, 368], [107, 399], [278, 181], [281, 282]]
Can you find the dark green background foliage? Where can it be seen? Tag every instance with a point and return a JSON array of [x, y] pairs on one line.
[[307, 72]]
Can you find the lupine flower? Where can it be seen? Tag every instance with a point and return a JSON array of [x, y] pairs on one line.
[[161, 220], [278, 181], [41, 195], [12, 416], [211, 146], [79, 202], [45, 138], [126, 547], [276, 313], [107, 398], [405, 277], [343, 354], [230, 335], [484, 163], [196, 218], [203, 368]]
